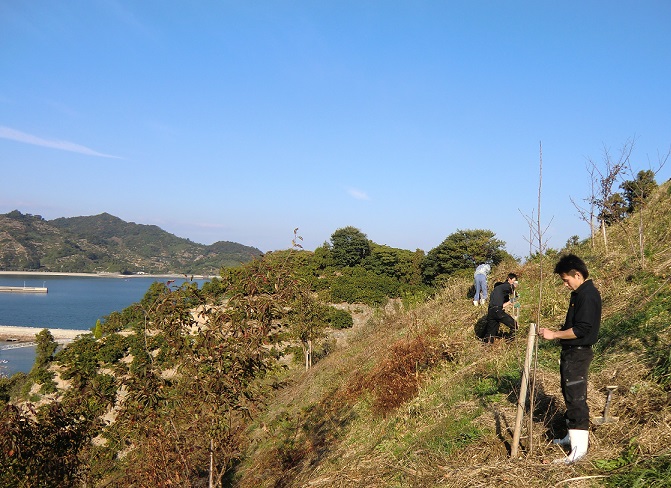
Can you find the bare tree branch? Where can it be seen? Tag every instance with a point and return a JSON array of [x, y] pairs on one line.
[[607, 177]]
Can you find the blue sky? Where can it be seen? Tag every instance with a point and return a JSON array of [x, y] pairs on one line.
[[241, 120]]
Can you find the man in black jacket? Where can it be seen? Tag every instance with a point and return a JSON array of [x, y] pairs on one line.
[[498, 300], [577, 336]]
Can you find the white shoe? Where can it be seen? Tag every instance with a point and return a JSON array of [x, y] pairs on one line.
[[475, 302], [482, 301], [579, 441]]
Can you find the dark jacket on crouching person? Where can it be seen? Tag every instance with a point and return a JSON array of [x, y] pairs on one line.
[[496, 314]]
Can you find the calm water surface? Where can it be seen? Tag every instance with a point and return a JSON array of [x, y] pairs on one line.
[[72, 302]]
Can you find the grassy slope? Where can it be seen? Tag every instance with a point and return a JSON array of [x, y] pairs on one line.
[[414, 400]]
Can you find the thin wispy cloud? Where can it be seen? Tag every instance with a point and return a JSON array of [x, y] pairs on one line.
[[18, 136], [358, 194]]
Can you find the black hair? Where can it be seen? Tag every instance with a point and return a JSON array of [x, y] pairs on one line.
[[512, 276], [569, 264]]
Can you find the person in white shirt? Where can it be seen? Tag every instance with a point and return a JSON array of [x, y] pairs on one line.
[[480, 277]]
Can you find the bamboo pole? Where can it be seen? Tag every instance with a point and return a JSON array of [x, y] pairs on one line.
[[522, 400]]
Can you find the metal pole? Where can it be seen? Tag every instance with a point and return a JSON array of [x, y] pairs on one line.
[[522, 400]]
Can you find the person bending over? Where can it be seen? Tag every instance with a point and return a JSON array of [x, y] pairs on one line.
[[480, 284], [496, 314]]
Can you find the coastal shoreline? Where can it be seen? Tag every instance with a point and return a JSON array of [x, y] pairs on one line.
[[101, 275], [27, 334]]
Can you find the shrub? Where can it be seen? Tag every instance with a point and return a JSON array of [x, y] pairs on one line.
[[112, 348], [46, 379], [38, 450], [339, 319], [358, 285], [11, 387]]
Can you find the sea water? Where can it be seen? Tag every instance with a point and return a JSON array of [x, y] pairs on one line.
[[72, 302], [16, 360]]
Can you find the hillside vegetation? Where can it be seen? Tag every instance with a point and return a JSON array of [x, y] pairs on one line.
[[104, 243], [256, 381], [415, 400]]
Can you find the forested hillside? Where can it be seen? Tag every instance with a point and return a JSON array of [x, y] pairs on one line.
[[292, 371], [104, 243]]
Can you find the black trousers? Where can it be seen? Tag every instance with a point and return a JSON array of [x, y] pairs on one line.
[[573, 367], [496, 316]]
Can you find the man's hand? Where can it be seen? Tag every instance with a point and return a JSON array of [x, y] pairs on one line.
[[556, 334]]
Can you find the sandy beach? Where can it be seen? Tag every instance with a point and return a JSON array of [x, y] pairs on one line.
[[50, 273], [27, 334]]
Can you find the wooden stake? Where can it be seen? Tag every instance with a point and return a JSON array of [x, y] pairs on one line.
[[522, 400]]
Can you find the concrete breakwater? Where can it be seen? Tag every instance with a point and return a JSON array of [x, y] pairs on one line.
[[27, 334], [23, 289]]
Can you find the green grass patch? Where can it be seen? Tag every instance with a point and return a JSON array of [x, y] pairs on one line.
[[632, 471], [495, 388], [444, 437], [450, 435]]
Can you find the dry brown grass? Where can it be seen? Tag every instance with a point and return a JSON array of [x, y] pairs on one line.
[[360, 448], [379, 411]]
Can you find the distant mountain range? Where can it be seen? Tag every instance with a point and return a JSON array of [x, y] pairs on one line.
[[105, 243]]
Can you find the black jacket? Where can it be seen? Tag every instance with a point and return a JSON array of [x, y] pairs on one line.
[[583, 316], [500, 295]]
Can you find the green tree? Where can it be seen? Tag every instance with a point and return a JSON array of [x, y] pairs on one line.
[[462, 250], [45, 348], [400, 264], [98, 330], [307, 319], [44, 354], [572, 242], [80, 361], [323, 257], [614, 209], [349, 246], [217, 383], [636, 191]]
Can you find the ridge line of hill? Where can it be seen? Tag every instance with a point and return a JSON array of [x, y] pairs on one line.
[[105, 243]]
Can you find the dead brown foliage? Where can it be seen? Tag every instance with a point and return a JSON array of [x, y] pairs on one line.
[[397, 377]]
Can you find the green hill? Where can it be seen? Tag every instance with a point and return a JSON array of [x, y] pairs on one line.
[[104, 243], [198, 387], [414, 400]]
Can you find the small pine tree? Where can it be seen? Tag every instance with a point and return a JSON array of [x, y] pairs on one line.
[[98, 331]]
